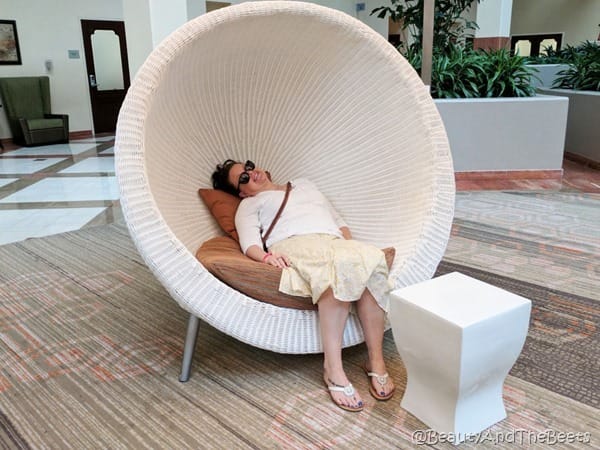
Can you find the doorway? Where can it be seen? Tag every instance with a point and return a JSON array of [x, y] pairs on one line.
[[105, 51]]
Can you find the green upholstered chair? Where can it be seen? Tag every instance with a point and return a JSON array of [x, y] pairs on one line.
[[27, 104]]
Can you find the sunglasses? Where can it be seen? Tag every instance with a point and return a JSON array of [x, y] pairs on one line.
[[245, 176]]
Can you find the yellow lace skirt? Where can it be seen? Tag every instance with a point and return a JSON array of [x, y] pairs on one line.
[[320, 261]]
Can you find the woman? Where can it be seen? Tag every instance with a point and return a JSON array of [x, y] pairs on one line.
[[314, 247]]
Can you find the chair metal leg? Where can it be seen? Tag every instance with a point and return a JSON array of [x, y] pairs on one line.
[[188, 348]]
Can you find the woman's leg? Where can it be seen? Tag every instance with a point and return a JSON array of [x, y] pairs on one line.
[[332, 320], [372, 320]]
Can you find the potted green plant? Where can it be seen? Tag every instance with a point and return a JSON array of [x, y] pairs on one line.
[[461, 72], [493, 117], [583, 73], [549, 64], [450, 23], [580, 83]]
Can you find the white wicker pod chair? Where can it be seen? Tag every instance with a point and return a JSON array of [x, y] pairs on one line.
[[304, 91]]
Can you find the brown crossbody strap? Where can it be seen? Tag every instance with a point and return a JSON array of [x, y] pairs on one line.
[[288, 188]]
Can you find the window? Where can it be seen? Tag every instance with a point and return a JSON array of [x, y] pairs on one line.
[[535, 44]]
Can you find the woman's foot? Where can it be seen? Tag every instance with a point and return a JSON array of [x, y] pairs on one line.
[[381, 385], [343, 393]]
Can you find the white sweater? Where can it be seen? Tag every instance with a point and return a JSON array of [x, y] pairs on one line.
[[307, 211]]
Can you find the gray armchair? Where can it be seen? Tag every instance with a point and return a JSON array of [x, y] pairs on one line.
[[27, 103]]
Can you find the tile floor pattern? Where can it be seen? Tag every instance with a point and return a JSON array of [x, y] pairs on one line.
[[56, 188]]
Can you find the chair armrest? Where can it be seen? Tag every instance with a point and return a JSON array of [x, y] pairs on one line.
[[65, 119], [41, 136], [24, 124], [57, 116]]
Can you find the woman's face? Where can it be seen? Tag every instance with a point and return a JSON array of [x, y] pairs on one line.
[[258, 180]]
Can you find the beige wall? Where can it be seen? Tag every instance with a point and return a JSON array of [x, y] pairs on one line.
[[47, 30], [578, 19]]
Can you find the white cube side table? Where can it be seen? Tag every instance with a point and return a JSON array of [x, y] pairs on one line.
[[458, 338]]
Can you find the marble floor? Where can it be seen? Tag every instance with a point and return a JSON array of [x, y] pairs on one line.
[[56, 188], [63, 187]]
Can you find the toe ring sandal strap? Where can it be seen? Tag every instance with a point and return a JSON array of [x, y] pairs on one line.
[[381, 379], [347, 390]]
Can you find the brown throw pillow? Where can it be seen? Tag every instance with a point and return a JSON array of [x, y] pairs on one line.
[[223, 207], [223, 258]]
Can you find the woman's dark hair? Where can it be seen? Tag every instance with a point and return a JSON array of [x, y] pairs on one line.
[[220, 178]]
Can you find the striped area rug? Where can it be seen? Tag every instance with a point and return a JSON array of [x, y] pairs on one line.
[[546, 247], [90, 346]]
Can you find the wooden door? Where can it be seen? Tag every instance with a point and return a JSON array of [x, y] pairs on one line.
[[105, 50]]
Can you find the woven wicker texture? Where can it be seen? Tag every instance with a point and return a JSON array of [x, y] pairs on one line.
[[304, 91]]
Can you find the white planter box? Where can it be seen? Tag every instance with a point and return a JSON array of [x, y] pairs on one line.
[[546, 73], [583, 125], [505, 134]]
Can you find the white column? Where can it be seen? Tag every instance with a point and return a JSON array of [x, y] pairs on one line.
[[136, 15], [148, 22], [165, 17], [427, 59], [493, 19], [195, 8]]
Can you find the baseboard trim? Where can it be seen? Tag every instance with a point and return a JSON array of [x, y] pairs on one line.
[[84, 134], [510, 175], [8, 143], [582, 160]]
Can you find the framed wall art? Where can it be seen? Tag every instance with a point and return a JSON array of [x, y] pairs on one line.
[[9, 43]]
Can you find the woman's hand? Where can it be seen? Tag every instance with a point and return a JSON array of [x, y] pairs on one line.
[[277, 260], [346, 233], [274, 259]]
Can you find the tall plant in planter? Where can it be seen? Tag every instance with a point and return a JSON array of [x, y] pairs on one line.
[[584, 71], [580, 83], [507, 75], [486, 133], [460, 72], [457, 73], [449, 22]]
